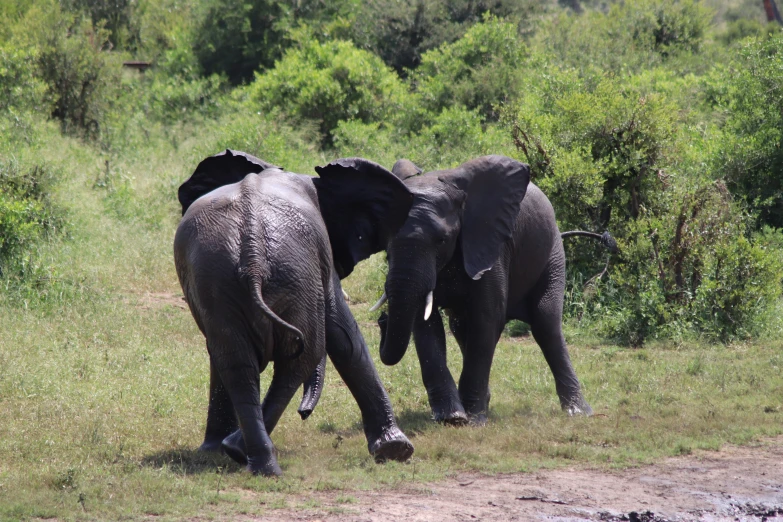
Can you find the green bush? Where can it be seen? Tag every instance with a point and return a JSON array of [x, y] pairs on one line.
[[632, 35], [74, 61], [171, 99], [479, 71], [596, 147], [402, 31], [692, 270], [27, 214], [611, 154], [237, 38], [328, 82], [749, 96], [114, 15], [21, 90]]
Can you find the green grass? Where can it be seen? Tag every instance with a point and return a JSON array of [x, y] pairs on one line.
[[103, 389]]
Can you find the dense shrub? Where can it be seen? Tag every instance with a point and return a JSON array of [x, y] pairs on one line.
[[75, 63], [237, 38], [329, 82], [114, 15], [27, 214], [20, 88], [402, 31], [596, 147], [609, 156], [692, 268], [749, 94], [479, 71], [634, 34], [172, 99]]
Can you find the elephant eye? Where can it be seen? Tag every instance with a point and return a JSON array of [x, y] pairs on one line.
[[360, 237]]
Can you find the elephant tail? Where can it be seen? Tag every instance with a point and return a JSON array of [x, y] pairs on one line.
[[606, 239], [313, 387], [262, 306]]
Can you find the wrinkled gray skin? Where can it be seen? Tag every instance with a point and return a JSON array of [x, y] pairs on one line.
[[255, 263], [485, 241]]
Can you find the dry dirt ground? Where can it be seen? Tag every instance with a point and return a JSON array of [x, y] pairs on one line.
[[735, 483]]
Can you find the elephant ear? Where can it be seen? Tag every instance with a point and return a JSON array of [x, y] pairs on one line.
[[405, 168], [494, 187], [363, 205], [230, 166]]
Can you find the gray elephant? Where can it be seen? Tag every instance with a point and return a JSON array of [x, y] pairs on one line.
[[259, 254], [482, 243]]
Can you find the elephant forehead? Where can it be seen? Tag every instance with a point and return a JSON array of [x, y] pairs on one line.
[[432, 215]]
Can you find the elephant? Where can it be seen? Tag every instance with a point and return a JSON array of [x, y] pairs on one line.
[[260, 253], [482, 243]]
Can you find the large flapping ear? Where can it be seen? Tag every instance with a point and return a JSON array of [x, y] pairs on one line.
[[494, 187], [230, 166], [363, 205], [405, 168]]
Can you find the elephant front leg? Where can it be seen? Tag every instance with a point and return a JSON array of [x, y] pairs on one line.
[[221, 419], [480, 329], [442, 392], [350, 356], [477, 364]]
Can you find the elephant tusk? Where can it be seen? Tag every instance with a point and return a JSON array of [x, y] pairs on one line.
[[428, 306], [345, 296], [380, 302]]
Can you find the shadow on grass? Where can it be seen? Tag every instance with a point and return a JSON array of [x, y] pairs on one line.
[[415, 422], [191, 462]]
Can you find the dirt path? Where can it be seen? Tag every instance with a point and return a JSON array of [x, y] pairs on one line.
[[732, 484]]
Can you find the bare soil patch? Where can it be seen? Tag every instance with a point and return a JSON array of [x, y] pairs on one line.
[[735, 483]]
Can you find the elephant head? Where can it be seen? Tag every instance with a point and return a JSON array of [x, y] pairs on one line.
[[362, 203], [463, 214]]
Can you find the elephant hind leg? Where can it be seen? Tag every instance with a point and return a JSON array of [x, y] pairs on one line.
[[236, 361], [285, 381], [546, 325], [221, 418]]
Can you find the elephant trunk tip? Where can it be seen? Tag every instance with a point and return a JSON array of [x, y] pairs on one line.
[[391, 359], [305, 412]]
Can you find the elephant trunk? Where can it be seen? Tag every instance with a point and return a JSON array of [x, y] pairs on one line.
[[409, 293]]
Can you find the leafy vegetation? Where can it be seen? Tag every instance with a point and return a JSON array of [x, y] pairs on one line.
[[659, 121]]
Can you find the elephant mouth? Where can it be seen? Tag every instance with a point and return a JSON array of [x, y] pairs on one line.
[[428, 301]]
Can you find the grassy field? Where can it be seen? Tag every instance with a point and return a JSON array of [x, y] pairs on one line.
[[104, 379]]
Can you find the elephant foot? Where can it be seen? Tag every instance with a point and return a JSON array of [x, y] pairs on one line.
[[268, 468], [392, 445], [453, 418], [213, 439], [234, 447], [448, 410], [211, 446], [577, 407], [477, 419]]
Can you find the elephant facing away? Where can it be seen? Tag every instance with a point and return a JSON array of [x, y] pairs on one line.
[[481, 242], [259, 254]]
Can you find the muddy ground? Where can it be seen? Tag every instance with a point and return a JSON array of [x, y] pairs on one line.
[[735, 483]]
